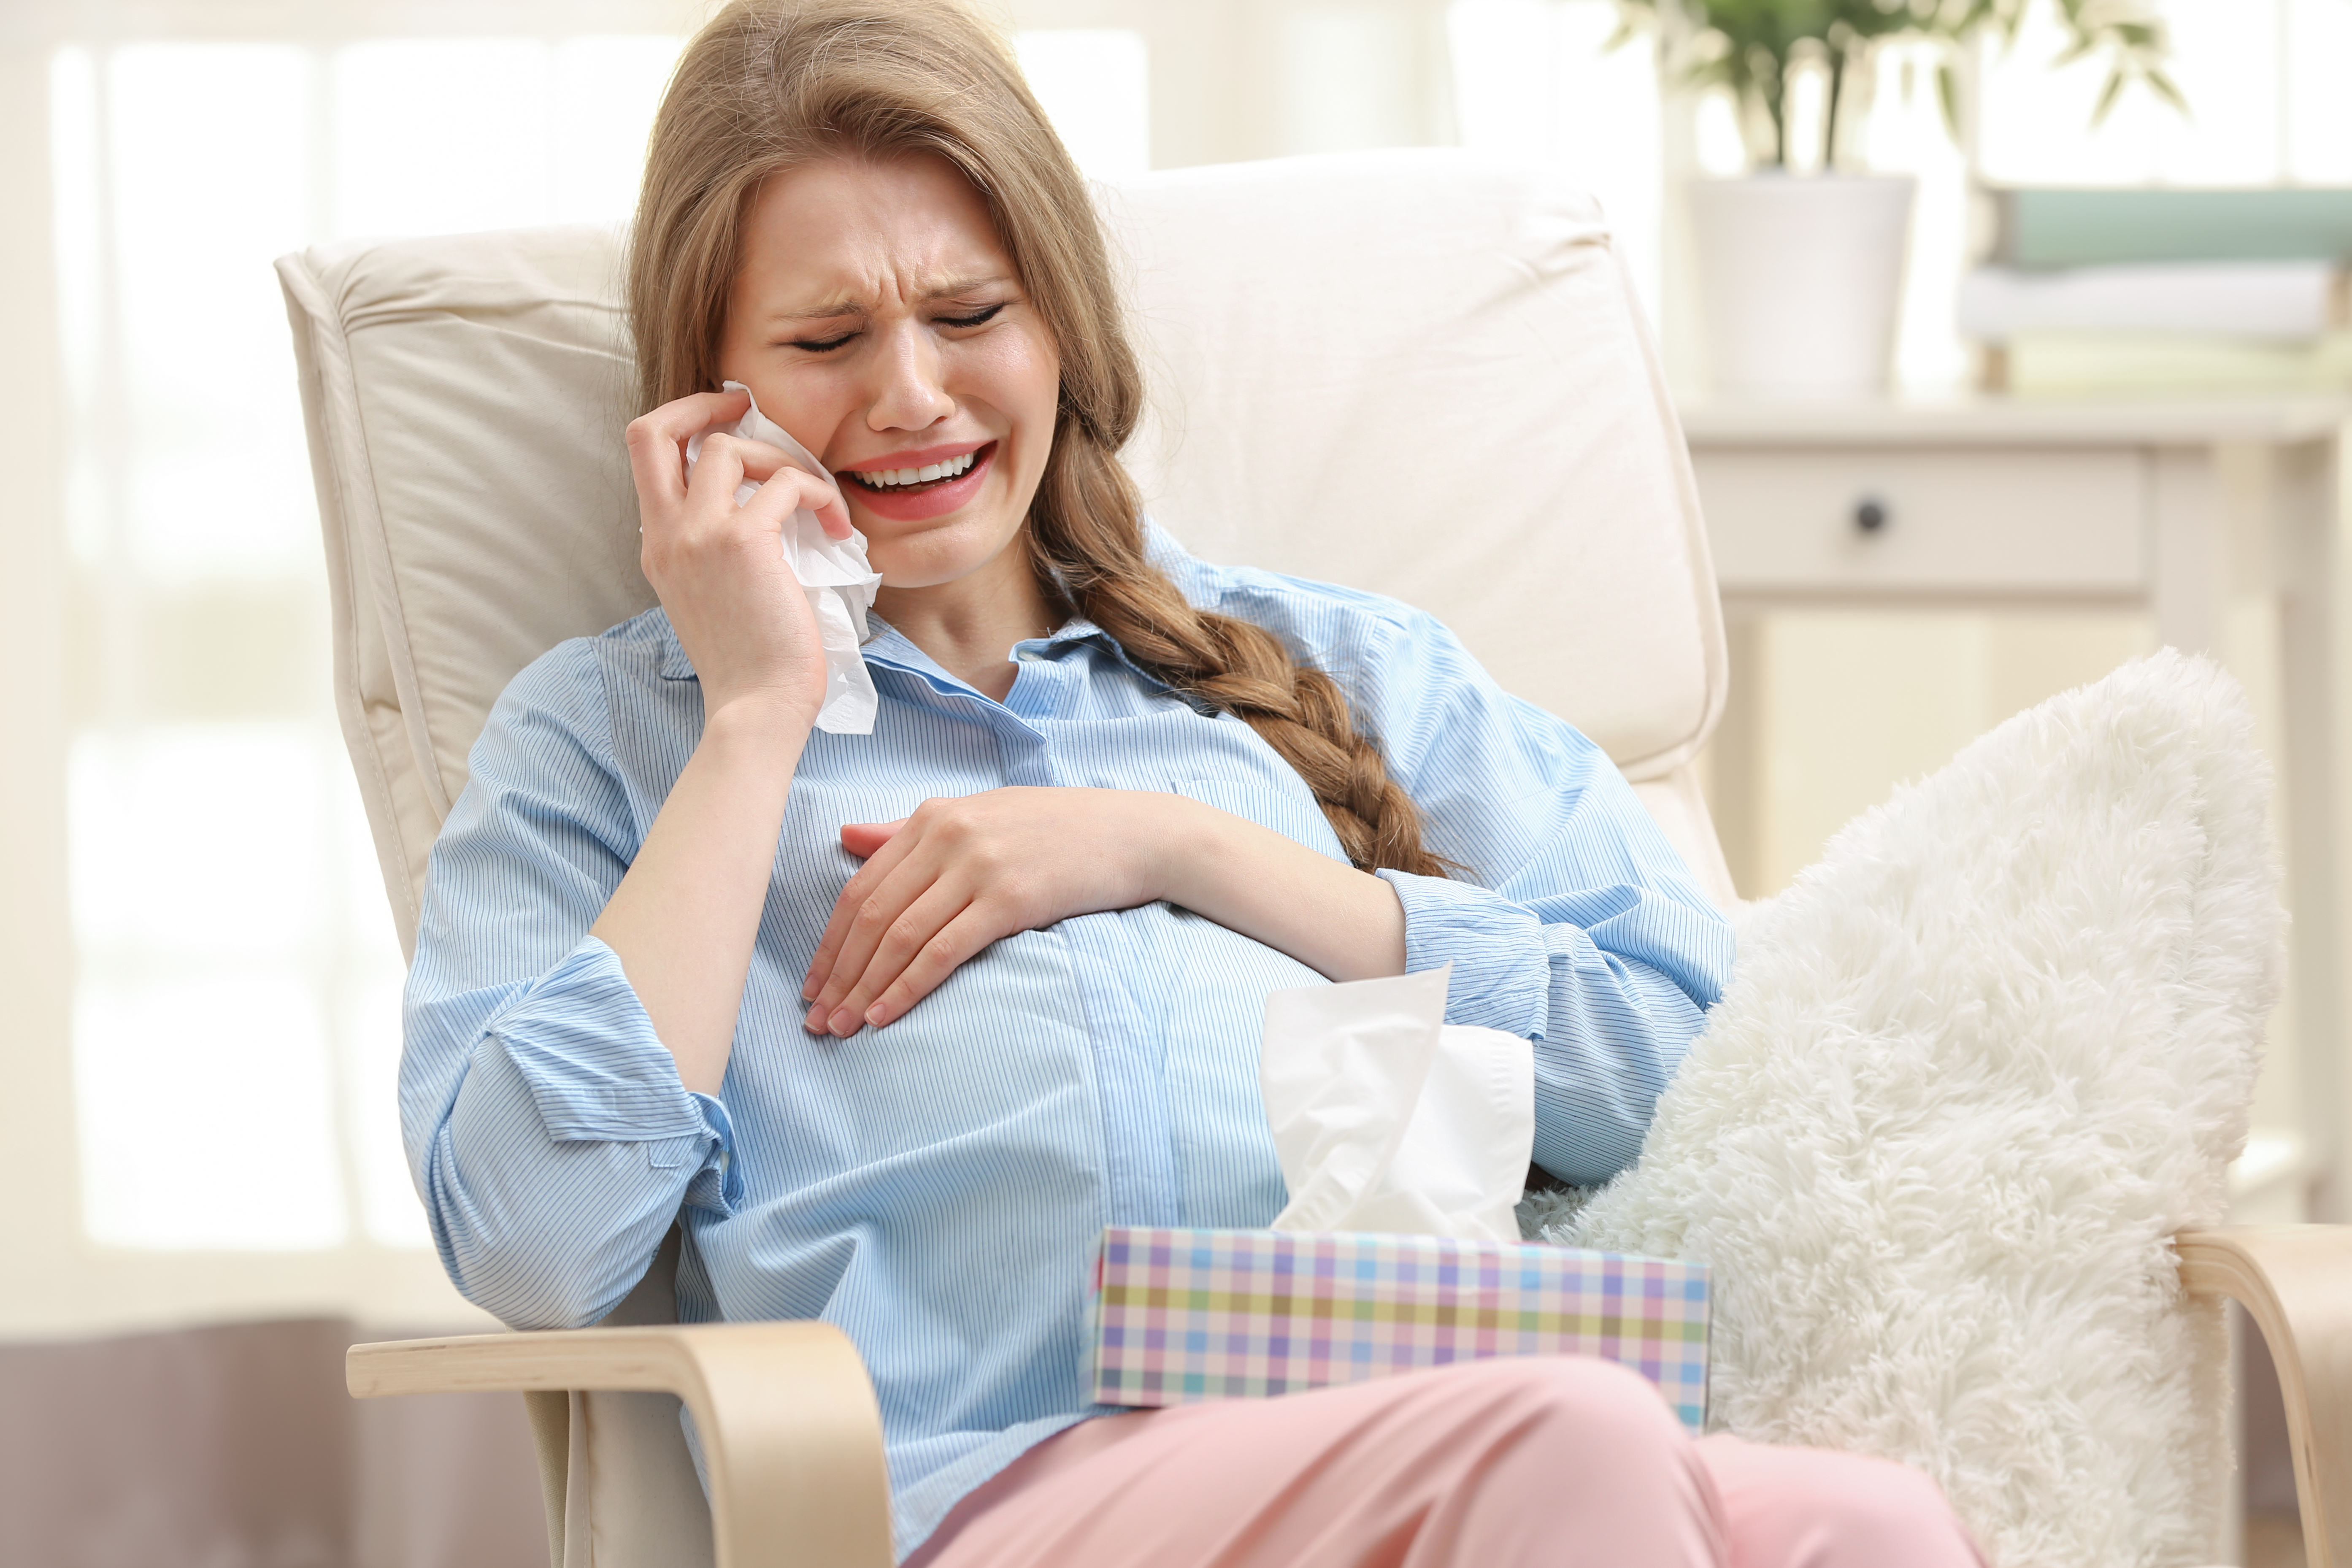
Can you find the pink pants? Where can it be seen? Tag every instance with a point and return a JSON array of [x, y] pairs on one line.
[[1560, 1461]]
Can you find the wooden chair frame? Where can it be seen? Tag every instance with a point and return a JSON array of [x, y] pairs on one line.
[[793, 1440]]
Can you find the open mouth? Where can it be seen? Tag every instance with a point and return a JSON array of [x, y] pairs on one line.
[[931, 476]]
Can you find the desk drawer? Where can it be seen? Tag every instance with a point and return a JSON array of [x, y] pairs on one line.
[[1784, 519]]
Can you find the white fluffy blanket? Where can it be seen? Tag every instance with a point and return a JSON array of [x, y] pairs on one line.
[[1971, 1071]]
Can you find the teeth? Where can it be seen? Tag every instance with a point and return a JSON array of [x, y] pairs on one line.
[[882, 478]]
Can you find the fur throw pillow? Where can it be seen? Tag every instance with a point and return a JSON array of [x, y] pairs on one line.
[[1972, 1071]]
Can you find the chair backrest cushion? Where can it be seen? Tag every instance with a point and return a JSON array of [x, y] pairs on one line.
[[1411, 371]]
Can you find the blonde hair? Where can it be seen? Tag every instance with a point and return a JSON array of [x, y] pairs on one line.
[[773, 84]]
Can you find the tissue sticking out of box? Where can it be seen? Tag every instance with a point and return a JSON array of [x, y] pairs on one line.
[[833, 573], [1387, 1119]]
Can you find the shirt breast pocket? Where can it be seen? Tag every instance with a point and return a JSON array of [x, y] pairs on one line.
[[1284, 805]]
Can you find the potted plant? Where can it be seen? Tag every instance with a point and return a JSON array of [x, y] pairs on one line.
[[1799, 277]]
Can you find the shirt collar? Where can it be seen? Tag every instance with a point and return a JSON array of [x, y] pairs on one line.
[[891, 649]]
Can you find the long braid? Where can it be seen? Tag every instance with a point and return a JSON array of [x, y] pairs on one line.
[[1237, 665]]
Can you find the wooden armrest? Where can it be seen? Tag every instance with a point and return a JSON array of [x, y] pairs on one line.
[[791, 1435], [2295, 1282]]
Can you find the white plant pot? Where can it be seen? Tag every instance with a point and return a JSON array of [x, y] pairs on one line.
[[1800, 281]]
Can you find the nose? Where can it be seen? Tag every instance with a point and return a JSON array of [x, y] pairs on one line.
[[910, 390]]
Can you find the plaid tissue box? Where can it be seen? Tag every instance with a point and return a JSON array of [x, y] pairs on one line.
[[1187, 1315]]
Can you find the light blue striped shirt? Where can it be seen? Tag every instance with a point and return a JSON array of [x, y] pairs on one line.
[[937, 1187]]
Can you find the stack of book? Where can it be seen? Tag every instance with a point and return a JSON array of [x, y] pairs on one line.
[[2164, 291]]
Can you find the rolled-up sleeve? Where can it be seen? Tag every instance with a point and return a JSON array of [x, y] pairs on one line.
[[550, 1136], [1608, 1029], [1569, 918]]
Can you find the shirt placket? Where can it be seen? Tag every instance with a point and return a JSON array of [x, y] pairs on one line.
[[1139, 1161]]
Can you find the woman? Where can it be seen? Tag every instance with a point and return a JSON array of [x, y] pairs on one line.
[[652, 974]]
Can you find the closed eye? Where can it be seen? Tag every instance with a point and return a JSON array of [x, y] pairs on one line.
[[981, 320], [822, 345]]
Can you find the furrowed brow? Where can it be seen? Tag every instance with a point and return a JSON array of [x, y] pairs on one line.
[[955, 286], [824, 311], [842, 306]]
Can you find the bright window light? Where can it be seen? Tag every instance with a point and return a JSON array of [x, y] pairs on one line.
[[206, 1112], [221, 990], [209, 175], [443, 135], [389, 1207], [237, 1026], [199, 1056], [605, 94], [202, 842], [203, 862], [1350, 77], [1537, 80], [436, 135], [2226, 58], [1095, 84], [2314, 47]]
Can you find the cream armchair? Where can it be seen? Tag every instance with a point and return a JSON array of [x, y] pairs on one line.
[[1332, 341]]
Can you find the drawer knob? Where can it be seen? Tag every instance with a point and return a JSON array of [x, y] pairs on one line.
[[1870, 515]]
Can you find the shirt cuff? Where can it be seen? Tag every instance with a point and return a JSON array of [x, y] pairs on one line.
[[596, 1070], [1502, 970]]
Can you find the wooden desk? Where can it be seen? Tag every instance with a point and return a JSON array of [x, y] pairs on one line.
[[2172, 507]]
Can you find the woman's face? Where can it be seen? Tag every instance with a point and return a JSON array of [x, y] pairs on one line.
[[877, 318]]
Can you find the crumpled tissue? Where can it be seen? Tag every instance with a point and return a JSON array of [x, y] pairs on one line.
[[1389, 1119], [833, 573]]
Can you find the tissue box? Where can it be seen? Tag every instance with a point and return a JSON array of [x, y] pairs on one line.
[[1186, 1315]]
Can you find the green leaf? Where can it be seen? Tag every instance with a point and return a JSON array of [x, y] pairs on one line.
[[2107, 96]]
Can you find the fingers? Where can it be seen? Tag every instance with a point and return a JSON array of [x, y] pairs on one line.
[[911, 936], [656, 444], [758, 462], [728, 462], [955, 945], [874, 921], [852, 901], [863, 838], [792, 488], [834, 518], [658, 440]]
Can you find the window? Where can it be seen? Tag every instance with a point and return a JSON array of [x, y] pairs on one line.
[[1094, 83], [2264, 81], [236, 1016], [236, 1020]]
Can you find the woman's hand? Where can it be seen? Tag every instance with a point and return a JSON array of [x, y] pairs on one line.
[[683, 920], [719, 568], [940, 886]]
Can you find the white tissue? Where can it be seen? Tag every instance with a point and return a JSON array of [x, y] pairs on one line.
[[833, 573], [1389, 1119]]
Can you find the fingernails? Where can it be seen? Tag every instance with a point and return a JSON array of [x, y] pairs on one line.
[[815, 1022], [877, 1014], [843, 1023]]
